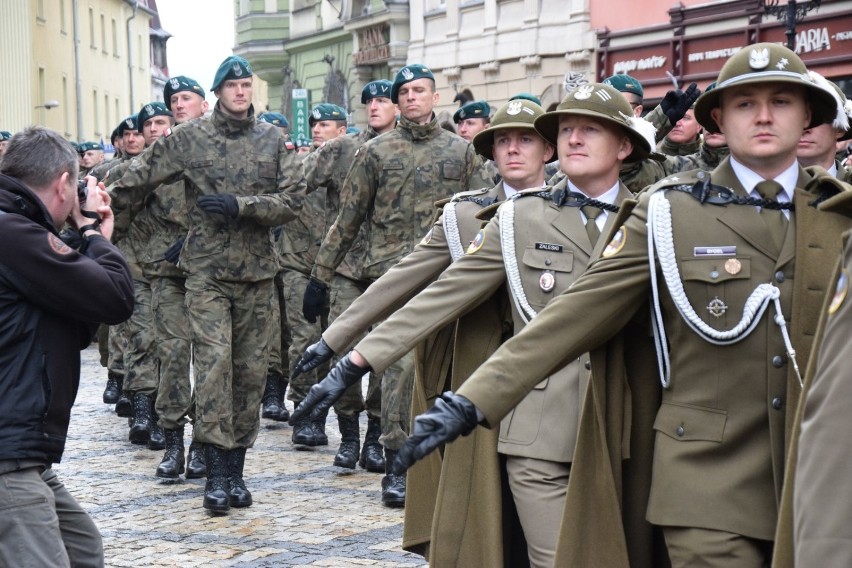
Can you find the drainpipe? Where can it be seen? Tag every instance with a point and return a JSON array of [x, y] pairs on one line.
[[78, 84], [130, 54]]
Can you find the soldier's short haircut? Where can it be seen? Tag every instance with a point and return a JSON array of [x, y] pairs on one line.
[[36, 156]]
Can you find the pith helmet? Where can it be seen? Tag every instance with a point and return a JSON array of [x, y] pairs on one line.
[[603, 102], [764, 63], [519, 113]]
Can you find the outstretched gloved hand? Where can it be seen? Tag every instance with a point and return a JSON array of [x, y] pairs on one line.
[[314, 356], [452, 416], [677, 102], [329, 390]]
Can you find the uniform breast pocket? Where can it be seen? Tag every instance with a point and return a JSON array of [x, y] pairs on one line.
[[688, 422], [451, 169], [267, 169], [206, 170], [546, 273], [717, 288]]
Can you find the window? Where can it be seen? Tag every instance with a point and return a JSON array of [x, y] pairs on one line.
[[63, 28], [92, 29], [40, 11], [107, 121], [115, 38], [141, 53], [66, 110], [42, 95], [245, 7], [271, 6], [103, 33], [96, 125]]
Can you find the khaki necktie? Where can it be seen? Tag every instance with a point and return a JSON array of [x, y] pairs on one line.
[[591, 212], [775, 219]]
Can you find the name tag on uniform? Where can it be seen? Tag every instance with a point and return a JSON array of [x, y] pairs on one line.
[[201, 164], [714, 251], [548, 247]]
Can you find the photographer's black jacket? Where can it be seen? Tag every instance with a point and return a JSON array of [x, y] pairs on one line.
[[51, 300]]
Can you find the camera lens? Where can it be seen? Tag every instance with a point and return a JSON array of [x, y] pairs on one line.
[[82, 190]]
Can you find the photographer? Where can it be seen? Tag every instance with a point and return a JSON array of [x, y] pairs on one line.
[[52, 298]]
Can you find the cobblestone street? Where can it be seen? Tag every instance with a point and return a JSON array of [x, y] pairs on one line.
[[306, 512]]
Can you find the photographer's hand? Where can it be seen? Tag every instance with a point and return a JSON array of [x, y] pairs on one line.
[[97, 202]]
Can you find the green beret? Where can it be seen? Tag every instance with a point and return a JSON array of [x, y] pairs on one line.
[[526, 97], [602, 102], [5, 135], [234, 67], [129, 123], [326, 111], [406, 75], [151, 110], [624, 83], [376, 89], [303, 142], [115, 134], [275, 119], [759, 64], [179, 84], [84, 147], [475, 109], [518, 113]]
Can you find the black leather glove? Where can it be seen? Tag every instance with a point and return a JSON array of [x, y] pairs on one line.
[[315, 300], [224, 204], [451, 417], [172, 253], [677, 102], [314, 356], [329, 390]]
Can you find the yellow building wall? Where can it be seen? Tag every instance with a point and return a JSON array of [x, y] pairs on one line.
[[40, 66]]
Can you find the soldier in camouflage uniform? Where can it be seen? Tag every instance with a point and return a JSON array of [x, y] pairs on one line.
[[391, 187], [297, 248], [132, 143], [91, 154], [272, 402], [142, 365], [328, 169], [240, 180], [163, 220], [5, 136]]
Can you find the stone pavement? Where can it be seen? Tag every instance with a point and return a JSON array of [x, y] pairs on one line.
[[306, 512]]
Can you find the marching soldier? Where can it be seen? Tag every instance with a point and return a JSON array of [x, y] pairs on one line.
[[717, 255], [240, 180], [537, 244]]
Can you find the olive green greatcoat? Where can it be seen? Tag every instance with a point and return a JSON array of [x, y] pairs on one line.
[[822, 531], [719, 441]]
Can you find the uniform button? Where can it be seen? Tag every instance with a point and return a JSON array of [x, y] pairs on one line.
[[779, 276], [777, 403], [588, 365], [679, 431], [778, 361], [547, 262], [714, 274]]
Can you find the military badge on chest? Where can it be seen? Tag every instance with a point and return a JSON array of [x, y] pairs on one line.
[[547, 280]]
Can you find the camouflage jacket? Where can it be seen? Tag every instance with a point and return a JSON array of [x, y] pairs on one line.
[[159, 225], [670, 148], [102, 170], [639, 175], [222, 154], [391, 187], [328, 170]]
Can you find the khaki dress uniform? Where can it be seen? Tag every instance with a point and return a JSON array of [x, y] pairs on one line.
[[723, 422], [549, 248]]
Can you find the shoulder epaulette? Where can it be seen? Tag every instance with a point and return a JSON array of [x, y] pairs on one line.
[[824, 185], [470, 195]]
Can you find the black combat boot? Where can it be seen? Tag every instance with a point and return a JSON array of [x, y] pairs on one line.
[[393, 486], [303, 433], [172, 464], [216, 488], [318, 426], [196, 468], [112, 392], [272, 406], [238, 495], [350, 441], [140, 430], [123, 406], [282, 390], [371, 454], [156, 438]]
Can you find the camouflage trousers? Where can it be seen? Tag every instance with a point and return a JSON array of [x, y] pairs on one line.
[[230, 328], [116, 341], [397, 390], [302, 333], [279, 345], [103, 344], [171, 329], [141, 373], [344, 291]]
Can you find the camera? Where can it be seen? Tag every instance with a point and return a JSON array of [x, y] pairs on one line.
[[82, 191]]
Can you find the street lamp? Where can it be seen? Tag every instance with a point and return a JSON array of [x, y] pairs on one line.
[[48, 104], [792, 14]]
